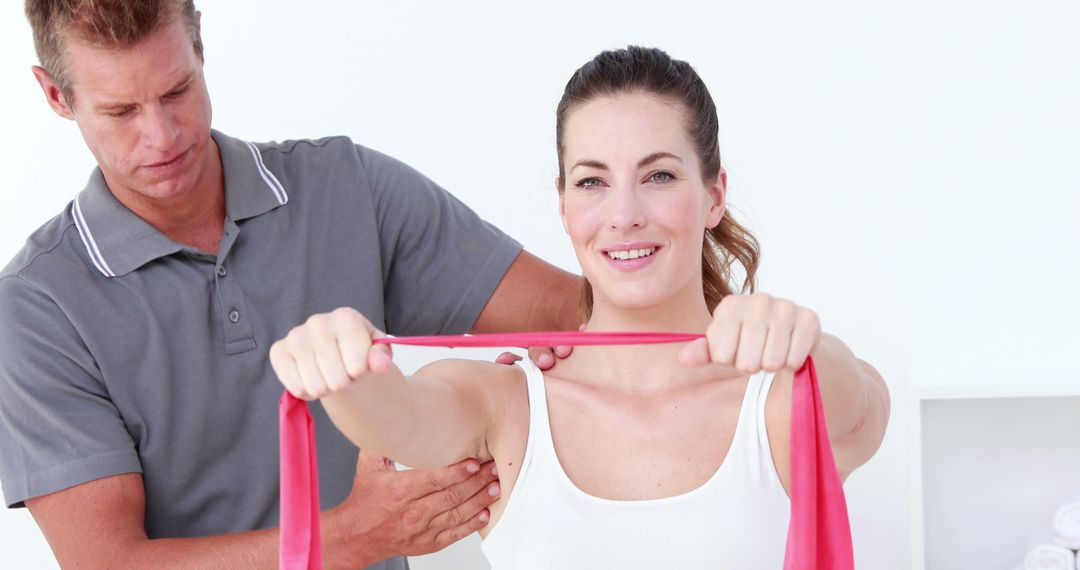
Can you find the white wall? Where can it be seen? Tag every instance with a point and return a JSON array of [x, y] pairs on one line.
[[909, 167]]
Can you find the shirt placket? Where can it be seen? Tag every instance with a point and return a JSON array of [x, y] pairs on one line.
[[236, 323]]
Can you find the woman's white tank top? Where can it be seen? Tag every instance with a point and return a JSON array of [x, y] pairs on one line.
[[738, 519]]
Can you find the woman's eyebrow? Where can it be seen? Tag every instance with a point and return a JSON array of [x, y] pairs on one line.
[[655, 157], [643, 162], [590, 164]]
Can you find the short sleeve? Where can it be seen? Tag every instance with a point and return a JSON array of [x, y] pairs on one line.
[[441, 261], [58, 427]]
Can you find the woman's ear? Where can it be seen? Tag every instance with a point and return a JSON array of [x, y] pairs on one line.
[[562, 204], [717, 198]]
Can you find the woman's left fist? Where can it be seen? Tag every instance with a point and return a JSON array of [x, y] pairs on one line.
[[756, 332]]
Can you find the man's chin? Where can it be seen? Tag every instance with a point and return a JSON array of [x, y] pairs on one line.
[[162, 189]]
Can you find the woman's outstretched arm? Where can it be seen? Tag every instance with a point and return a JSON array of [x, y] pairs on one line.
[[759, 332], [856, 403], [435, 418]]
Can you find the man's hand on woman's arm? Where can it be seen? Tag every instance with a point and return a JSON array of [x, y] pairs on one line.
[[100, 524]]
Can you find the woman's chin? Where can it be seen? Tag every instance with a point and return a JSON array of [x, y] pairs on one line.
[[631, 303]]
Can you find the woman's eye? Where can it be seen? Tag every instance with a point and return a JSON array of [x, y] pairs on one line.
[[661, 176], [588, 183]]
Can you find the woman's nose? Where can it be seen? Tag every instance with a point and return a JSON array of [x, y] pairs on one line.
[[626, 209]]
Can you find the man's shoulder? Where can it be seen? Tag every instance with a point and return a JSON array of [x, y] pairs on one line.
[[299, 147], [46, 275], [328, 156], [45, 250]]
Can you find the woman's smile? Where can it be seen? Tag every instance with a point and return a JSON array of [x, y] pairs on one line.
[[631, 257]]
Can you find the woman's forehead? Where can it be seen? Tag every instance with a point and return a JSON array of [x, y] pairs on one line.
[[625, 126]]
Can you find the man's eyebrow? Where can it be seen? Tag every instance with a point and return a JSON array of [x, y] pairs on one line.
[[114, 106], [182, 83]]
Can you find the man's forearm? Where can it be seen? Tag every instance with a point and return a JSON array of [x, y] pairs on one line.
[[533, 295], [343, 547]]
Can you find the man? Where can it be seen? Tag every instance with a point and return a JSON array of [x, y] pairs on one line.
[[138, 415]]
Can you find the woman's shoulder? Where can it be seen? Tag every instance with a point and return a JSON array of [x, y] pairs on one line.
[[466, 373]]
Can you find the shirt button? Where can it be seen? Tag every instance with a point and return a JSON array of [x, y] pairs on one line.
[[221, 271], [234, 316]]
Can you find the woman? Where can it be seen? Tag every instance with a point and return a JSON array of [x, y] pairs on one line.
[[620, 456]]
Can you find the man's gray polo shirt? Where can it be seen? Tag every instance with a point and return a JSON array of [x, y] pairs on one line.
[[122, 351]]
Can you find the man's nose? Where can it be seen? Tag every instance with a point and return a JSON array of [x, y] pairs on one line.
[[160, 130]]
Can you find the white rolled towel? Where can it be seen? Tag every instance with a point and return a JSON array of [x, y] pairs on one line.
[[1066, 525], [1050, 557]]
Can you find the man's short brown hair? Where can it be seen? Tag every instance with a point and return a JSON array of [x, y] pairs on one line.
[[112, 24]]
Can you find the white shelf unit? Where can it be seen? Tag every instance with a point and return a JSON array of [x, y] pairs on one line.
[[990, 457]]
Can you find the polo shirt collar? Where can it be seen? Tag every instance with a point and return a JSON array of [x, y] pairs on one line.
[[119, 242]]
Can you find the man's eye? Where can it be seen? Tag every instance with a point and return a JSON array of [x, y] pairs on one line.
[[175, 94], [588, 183], [121, 112]]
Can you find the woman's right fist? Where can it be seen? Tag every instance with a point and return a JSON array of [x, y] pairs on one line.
[[328, 353]]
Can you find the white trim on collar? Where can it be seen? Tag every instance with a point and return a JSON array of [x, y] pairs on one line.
[[268, 177], [88, 240]]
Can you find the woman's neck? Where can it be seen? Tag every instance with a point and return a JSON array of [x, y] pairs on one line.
[[645, 368]]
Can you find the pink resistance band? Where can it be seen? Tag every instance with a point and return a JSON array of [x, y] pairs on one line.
[[819, 536]]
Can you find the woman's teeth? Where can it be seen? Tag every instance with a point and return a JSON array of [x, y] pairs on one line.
[[631, 253]]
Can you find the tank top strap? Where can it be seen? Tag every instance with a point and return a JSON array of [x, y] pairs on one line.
[[751, 445], [750, 439], [540, 440], [759, 413]]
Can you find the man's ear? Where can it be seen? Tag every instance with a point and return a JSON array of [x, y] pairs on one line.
[[718, 195], [198, 34], [53, 94]]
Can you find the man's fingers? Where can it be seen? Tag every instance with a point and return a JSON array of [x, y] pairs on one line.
[[507, 358], [461, 509], [453, 534], [452, 496], [430, 481], [546, 356], [543, 356]]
